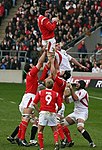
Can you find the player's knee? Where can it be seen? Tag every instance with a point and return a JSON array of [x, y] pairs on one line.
[[26, 117], [65, 122], [80, 126], [62, 122], [34, 121]]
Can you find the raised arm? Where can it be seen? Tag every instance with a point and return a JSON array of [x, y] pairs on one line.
[[78, 64], [41, 60], [74, 96]]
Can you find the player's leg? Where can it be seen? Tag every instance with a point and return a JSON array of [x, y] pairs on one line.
[[34, 129], [55, 135], [85, 134], [11, 138], [60, 116], [51, 53], [69, 141], [51, 59], [41, 124], [52, 122], [69, 120], [40, 136], [23, 126]]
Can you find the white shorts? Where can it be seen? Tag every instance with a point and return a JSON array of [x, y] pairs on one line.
[[78, 115], [62, 110], [27, 102], [50, 44], [47, 118]]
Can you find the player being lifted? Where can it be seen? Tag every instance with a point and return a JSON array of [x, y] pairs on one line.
[[47, 28]]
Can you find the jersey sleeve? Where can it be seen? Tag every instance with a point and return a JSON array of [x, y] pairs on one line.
[[37, 98], [57, 57], [59, 81], [50, 26], [81, 94], [59, 101], [69, 57], [34, 71], [44, 73]]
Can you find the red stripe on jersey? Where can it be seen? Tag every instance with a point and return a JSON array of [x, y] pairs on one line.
[[60, 57], [86, 98], [49, 45], [29, 102], [79, 93]]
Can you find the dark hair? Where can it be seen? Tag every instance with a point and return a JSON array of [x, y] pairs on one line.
[[27, 67], [82, 84], [66, 74], [42, 10]]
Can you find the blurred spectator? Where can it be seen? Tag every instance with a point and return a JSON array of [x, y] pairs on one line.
[[33, 56], [13, 3], [70, 7], [2, 64], [100, 71], [88, 64], [81, 18], [82, 50], [17, 63], [7, 61], [95, 68], [10, 63], [98, 47], [7, 6], [1, 12]]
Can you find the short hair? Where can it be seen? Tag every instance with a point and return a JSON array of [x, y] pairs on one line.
[[27, 67], [49, 83], [66, 75], [82, 84], [43, 9]]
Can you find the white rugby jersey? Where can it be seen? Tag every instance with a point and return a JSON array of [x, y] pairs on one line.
[[63, 60], [83, 99]]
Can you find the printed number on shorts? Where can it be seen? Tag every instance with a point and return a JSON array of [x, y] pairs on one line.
[[48, 97]]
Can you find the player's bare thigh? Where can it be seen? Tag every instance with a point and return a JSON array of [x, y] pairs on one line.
[[69, 120]]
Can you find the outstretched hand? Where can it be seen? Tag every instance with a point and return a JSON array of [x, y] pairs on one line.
[[55, 19], [85, 68]]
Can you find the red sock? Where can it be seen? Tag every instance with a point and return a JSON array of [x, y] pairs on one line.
[[60, 131], [55, 134], [44, 73], [67, 133], [40, 139], [23, 129], [19, 131]]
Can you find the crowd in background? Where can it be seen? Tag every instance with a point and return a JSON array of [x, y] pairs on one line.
[[5, 7], [93, 66], [10, 63], [75, 18]]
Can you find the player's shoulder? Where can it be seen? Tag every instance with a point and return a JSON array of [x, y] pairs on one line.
[[82, 91], [63, 51], [55, 93]]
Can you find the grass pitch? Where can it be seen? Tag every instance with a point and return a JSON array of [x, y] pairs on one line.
[[10, 97]]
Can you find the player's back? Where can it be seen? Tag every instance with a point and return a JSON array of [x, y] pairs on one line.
[[48, 98], [45, 27], [63, 60], [32, 81], [59, 85]]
